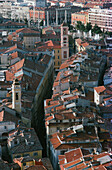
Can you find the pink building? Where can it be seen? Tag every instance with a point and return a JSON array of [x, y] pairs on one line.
[[79, 16]]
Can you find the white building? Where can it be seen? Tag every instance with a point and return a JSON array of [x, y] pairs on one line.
[[101, 17], [99, 94]]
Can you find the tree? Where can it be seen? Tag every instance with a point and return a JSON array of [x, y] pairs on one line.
[[96, 29], [71, 27], [88, 26], [80, 26]]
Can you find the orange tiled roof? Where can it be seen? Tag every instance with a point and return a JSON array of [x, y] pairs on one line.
[[71, 98], [100, 89], [73, 155], [50, 118], [12, 48], [56, 84], [85, 44]]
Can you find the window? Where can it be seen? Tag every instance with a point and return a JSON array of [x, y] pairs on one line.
[[35, 154], [17, 96], [58, 57], [58, 128], [58, 51], [64, 39], [15, 142], [65, 54], [58, 63], [17, 156], [5, 127], [24, 164], [64, 31], [25, 155]]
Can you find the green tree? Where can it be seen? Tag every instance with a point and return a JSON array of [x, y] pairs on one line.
[[88, 26], [71, 27], [96, 29], [80, 26]]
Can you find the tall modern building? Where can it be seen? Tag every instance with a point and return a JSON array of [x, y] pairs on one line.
[[101, 17]]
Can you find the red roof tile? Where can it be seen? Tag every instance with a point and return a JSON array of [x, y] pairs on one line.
[[73, 155], [85, 44], [100, 89]]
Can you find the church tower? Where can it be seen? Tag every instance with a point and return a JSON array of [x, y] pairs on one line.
[[64, 42], [16, 95]]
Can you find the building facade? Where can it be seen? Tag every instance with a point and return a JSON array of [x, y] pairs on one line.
[[56, 15], [64, 42], [16, 95], [80, 16], [102, 18]]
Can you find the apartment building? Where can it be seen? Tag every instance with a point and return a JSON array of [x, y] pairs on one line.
[[24, 142], [101, 17], [37, 14], [79, 16]]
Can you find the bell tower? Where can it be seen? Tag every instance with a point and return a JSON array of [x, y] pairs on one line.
[[16, 95], [64, 42]]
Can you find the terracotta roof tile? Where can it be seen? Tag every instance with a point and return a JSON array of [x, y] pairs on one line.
[[72, 163], [73, 155], [85, 44], [50, 118], [100, 89], [56, 84], [61, 157]]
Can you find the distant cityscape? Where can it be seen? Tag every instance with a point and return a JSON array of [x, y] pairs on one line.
[[55, 85]]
